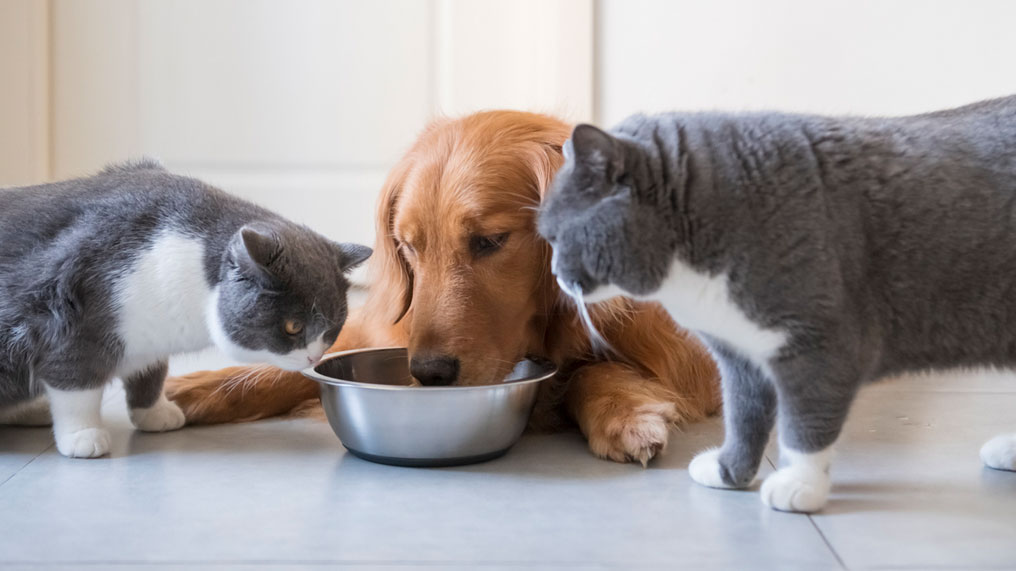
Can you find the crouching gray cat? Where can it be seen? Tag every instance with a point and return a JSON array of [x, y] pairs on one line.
[[811, 254], [109, 275]]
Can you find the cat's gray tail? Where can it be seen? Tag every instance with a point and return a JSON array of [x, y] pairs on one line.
[[133, 165]]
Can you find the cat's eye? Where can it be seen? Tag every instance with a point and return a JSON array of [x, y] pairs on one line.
[[292, 327], [485, 245]]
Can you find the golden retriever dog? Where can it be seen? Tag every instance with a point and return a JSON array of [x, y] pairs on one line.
[[460, 277]]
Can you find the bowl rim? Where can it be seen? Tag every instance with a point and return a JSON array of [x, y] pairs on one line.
[[313, 375]]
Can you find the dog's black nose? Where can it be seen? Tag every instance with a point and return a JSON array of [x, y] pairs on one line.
[[435, 371]]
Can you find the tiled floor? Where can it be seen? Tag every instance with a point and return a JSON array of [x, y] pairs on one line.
[[909, 492]]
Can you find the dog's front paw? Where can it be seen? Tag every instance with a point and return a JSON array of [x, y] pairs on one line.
[[796, 489], [84, 443], [164, 415], [635, 436]]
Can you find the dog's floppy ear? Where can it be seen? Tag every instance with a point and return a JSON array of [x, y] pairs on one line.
[[391, 277]]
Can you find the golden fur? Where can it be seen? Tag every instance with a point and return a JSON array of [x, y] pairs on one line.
[[481, 175]]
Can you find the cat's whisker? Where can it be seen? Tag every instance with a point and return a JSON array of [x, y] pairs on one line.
[[599, 343], [235, 382], [244, 382], [256, 374]]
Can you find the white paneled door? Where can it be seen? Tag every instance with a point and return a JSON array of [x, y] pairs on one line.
[[24, 92], [300, 106]]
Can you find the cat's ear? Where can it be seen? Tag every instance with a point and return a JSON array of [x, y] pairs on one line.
[[596, 149], [261, 245], [254, 250], [352, 255]]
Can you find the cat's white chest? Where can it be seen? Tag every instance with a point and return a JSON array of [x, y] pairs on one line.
[[161, 302], [702, 303]]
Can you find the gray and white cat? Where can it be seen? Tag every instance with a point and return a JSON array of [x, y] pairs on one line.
[[106, 276], [812, 254]]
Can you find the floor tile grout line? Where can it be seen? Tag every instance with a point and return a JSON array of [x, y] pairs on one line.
[[106, 396], [25, 465], [814, 524], [825, 540]]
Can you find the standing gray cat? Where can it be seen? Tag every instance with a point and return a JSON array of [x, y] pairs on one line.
[[109, 275], [811, 254]]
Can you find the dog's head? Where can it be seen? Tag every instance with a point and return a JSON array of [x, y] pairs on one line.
[[458, 263]]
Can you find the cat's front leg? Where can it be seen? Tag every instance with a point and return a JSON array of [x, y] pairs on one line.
[[149, 409], [749, 411], [814, 392], [77, 422]]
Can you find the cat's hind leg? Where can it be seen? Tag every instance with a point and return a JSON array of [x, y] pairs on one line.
[[77, 422], [749, 411], [148, 407], [1000, 452], [814, 393]]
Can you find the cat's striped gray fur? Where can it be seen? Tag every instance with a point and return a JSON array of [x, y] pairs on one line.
[[110, 274], [811, 253]]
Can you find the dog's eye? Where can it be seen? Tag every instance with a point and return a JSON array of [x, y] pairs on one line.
[[485, 245]]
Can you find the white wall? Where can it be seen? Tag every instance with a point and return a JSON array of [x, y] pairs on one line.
[[535, 55], [835, 56]]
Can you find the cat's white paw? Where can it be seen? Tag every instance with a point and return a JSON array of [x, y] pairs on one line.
[[705, 469], [796, 489], [163, 416], [1000, 452], [84, 443]]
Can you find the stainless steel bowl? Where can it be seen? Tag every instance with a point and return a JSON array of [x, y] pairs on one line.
[[377, 413]]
